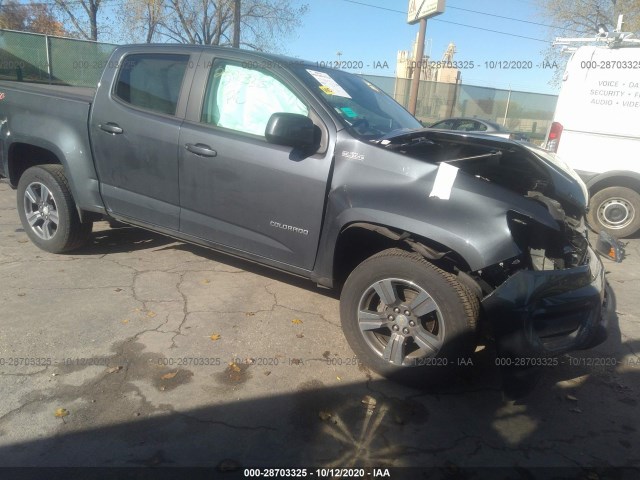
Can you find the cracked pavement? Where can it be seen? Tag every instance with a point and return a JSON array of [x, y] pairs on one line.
[[167, 354]]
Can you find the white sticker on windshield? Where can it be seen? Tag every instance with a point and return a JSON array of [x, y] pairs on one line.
[[444, 181], [328, 85]]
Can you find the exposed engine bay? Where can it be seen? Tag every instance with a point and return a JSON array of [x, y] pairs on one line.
[[525, 171]]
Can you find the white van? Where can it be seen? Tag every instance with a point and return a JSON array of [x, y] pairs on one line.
[[596, 130]]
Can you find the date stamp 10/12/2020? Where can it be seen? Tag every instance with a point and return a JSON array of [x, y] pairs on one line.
[[354, 64], [334, 361]]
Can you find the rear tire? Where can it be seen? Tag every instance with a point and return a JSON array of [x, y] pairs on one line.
[[616, 210], [48, 212], [407, 319]]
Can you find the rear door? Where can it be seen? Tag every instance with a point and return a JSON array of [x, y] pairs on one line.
[[238, 190], [135, 126]]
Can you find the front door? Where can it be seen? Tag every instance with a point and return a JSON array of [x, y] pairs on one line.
[[240, 191]]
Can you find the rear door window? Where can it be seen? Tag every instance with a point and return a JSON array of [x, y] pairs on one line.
[[152, 81]]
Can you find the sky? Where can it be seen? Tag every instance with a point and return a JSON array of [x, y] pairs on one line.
[[373, 36], [370, 32]]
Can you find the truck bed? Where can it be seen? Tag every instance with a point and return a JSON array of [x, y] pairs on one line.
[[80, 94]]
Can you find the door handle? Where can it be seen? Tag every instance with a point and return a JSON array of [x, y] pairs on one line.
[[111, 127], [201, 149]]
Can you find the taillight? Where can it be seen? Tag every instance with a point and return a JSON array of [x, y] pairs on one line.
[[554, 136]]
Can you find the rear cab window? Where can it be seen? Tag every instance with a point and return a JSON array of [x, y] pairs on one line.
[[152, 81]]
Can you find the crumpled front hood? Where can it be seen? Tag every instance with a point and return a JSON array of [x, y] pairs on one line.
[[513, 165]]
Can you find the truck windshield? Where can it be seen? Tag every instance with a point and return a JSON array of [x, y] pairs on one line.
[[362, 107]]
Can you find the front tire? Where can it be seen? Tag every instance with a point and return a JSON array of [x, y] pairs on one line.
[[48, 212], [407, 319], [616, 210]]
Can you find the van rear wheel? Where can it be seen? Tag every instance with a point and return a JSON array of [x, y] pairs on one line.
[[616, 210]]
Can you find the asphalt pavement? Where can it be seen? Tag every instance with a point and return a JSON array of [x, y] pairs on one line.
[[140, 351]]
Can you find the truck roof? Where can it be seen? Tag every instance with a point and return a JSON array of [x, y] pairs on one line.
[[276, 58]]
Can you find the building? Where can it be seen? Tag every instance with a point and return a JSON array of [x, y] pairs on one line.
[[438, 82]]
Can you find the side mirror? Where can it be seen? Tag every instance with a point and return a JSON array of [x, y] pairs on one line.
[[290, 129]]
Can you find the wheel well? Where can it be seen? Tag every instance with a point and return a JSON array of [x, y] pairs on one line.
[[357, 243], [616, 181], [23, 156]]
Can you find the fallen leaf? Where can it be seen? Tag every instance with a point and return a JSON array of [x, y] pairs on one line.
[[22, 241], [151, 314], [572, 398], [234, 367], [300, 335], [267, 373], [296, 321], [339, 379], [369, 401], [250, 314], [118, 290], [215, 336], [205, 281], [61, 412], [115, 369], [125, 321], [324, 415], [296, 361], [169, 376]]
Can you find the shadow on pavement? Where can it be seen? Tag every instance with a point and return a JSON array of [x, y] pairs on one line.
[[581, 413], [124, 239]]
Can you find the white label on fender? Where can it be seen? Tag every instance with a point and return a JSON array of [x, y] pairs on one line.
[[444, 181]]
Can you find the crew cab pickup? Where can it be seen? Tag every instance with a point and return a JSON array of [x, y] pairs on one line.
[[429, 235]]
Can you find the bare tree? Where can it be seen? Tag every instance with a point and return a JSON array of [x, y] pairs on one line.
[[83, 15], [581, 18], [584, 16], [264, 24], [140, 19]]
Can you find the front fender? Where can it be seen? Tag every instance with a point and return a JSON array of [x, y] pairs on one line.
[[394, 191]]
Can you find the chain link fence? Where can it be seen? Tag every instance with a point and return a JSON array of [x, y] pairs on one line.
[[30, 57], [526, 112]]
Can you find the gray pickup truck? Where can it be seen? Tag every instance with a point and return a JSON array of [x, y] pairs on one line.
[[431, 236]]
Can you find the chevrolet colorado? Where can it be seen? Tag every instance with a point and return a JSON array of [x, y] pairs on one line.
[[430, 236]]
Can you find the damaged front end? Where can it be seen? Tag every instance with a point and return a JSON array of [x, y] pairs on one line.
[[551, 297]]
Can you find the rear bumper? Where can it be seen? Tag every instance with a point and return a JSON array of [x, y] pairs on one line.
[[546, 313]]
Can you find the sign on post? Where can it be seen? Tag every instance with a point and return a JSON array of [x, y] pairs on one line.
[[419, 9]]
